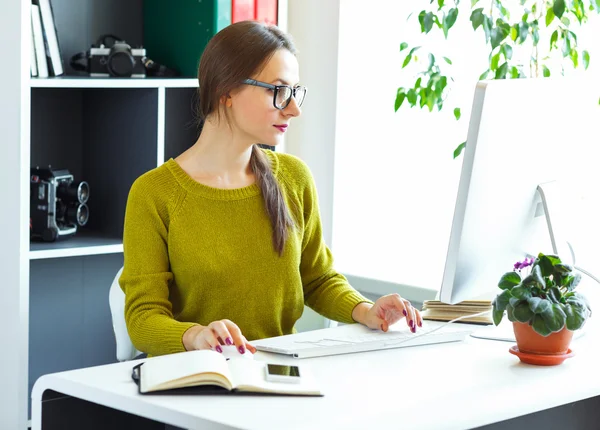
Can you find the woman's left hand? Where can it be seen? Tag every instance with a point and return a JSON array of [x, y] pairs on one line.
[[390, 309]]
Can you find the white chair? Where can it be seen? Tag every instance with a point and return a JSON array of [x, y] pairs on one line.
[[116, 298]]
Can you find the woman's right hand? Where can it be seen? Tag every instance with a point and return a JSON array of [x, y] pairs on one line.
[[217, 333]]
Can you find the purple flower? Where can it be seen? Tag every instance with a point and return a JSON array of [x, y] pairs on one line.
[[523, 264]]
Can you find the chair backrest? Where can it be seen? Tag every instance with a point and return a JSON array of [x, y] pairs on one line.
[[116, 298]]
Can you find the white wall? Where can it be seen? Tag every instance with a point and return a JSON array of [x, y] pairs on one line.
[[14, 246], [314, 27]]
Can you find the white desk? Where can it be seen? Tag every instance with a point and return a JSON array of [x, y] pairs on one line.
[[446, 386]]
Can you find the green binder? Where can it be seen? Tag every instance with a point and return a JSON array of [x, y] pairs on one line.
[[177, 31]]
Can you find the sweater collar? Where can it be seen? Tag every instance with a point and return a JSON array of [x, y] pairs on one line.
[[195, 187]]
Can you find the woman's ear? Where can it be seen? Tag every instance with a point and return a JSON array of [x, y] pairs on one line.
[[226, 100]]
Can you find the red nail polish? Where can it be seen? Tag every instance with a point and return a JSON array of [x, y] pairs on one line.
[[218, 348], [420, 324], [228, 341], [411, 324], [241, 349], [414, 330], [404, 312]]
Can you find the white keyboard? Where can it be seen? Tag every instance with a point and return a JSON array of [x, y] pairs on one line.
[[353, 338]]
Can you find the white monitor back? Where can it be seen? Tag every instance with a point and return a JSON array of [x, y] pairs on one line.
[[522, 133]]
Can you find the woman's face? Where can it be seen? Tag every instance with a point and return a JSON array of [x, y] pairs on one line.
[[252, 108]]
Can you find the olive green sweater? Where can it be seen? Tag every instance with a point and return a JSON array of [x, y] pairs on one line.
[[196, 254]]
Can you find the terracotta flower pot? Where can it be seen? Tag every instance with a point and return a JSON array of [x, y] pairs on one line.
[[529, 341]]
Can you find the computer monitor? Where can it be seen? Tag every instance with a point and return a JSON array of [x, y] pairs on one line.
[[522, 133]]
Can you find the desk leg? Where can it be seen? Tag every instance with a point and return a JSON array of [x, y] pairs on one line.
[[582, 415], [61, 412]]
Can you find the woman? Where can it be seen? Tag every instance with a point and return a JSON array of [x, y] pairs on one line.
[[223, 244]]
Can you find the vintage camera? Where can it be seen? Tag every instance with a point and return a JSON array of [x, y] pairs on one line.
[[58, 204], [117, 59]]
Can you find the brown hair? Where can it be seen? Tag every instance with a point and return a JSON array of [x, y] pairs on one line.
[[236, 53]]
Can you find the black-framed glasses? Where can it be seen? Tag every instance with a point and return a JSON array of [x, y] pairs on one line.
[[282, 94]]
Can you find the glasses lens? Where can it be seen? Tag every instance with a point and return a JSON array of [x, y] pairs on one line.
[[284, 94], [300, 94]]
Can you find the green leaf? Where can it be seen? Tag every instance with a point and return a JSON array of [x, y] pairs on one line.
[[553, 39], [497, 36], [485, 74], [538, 305], [459, 149], [509, 280], [510, 313], [427, 22], [545, 264], [574, 57], [418, 83], [576, 316], [400, 96], [521, 292], [431, 60], [403, 46], [457, 113], [501, 72], [523, 32], [572, 281], [586, 59], [494, 62], [447, 60], [554, 295], [514, 32], [501, 300], [546, 71], [477, 18], [522, 313], [507, 51], [440, 3], [411, 96], [514, 72], [539, 326], [497, 316], [535, 278], [449, 21], [549, 16], [406, 60], [558, 8], [563, 268], [555, 318]]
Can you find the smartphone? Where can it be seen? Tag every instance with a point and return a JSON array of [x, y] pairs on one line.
[[282, 373]]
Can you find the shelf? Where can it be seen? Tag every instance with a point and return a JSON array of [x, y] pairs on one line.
[[83, 243], [87, 82]]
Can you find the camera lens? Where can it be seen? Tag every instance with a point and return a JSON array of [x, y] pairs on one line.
[[74, 191], [79, 214], [120, 62]]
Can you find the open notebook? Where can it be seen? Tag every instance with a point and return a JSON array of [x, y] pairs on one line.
[[209, 372]]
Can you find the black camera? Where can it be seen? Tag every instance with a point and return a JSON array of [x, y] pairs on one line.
[[117, 59], [58, 204]]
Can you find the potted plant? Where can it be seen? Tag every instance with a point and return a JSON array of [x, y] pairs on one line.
[[542, 305]]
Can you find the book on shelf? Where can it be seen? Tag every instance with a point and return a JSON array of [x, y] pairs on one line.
[[32, 59], [435, 310], [38, 40], [176, 33], [209, 372], [52, 48]]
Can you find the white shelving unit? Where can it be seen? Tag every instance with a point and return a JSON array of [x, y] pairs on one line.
[[105, 131]]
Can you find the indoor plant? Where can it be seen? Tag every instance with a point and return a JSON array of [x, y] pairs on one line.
[[542, 304]]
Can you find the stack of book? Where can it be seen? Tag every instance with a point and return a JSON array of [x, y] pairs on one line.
[[45, 51], [437, 311]]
